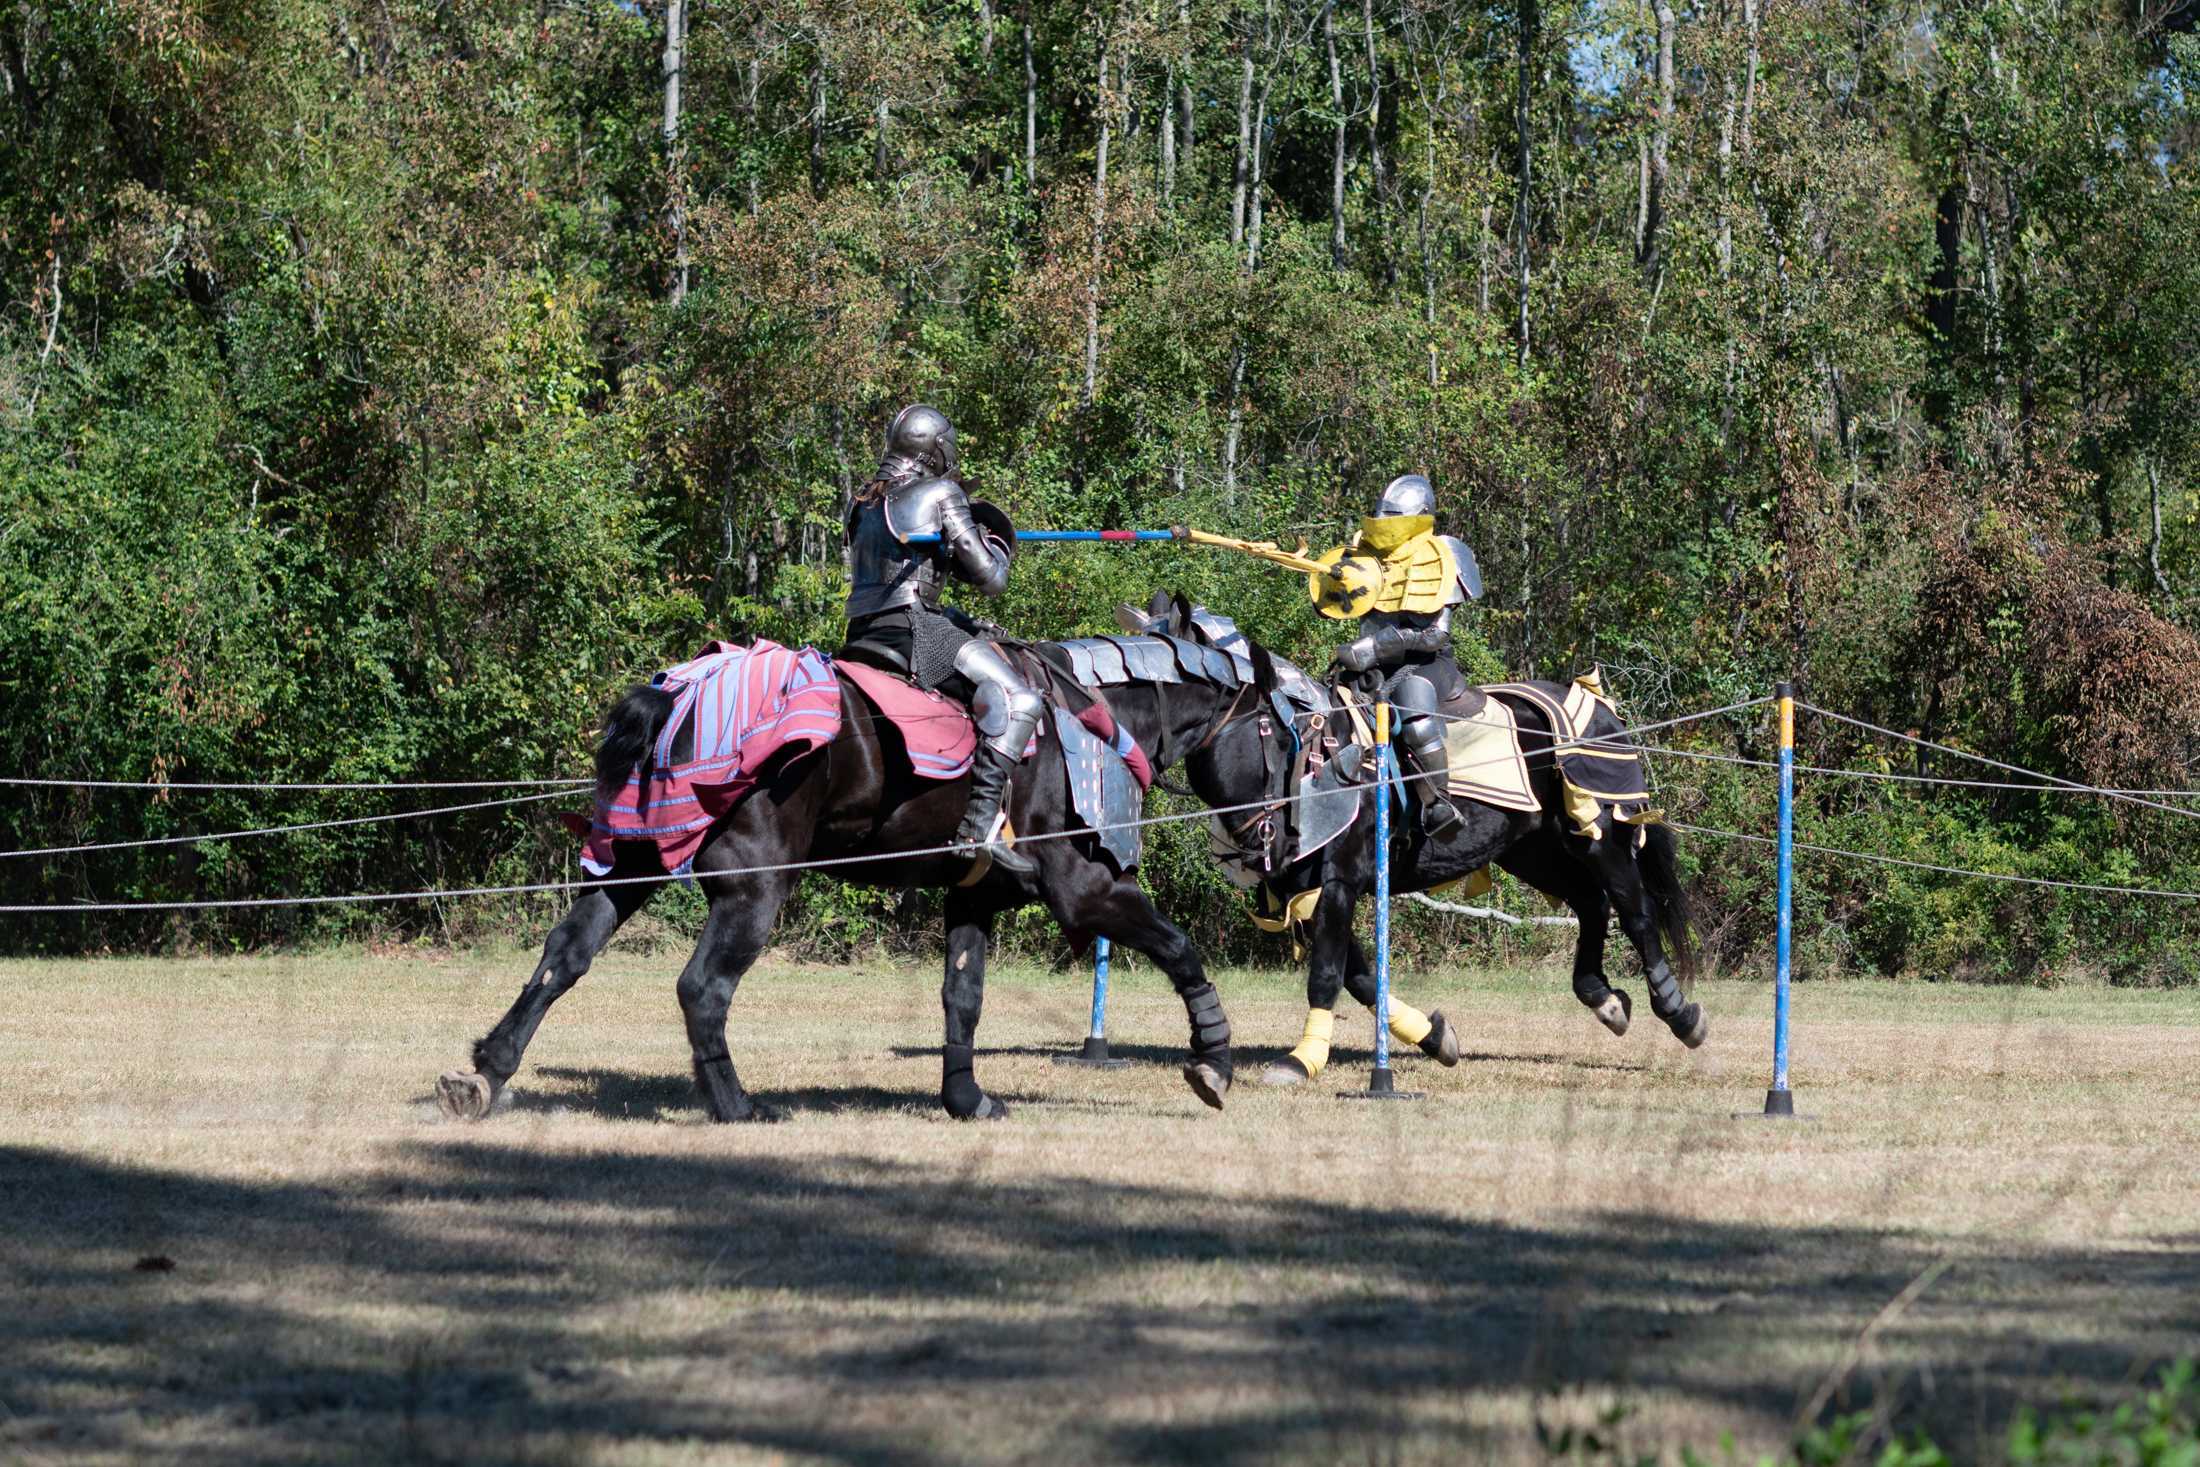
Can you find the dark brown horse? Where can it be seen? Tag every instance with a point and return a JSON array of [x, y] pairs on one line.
[[856, 805], [1623, 870]]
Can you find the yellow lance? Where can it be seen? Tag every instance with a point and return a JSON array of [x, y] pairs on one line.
[[1342, 584]]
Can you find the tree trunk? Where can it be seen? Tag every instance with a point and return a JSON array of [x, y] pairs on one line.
[[1524, 171], [1336, 148], [2154, 542], [754, 72], [675, 154], [1099, 230], [1376, 175], [1653, 214], [1031, 109], [1184, 99], [1244, 158], [817, 128], [985, 29], [1168, 136], [878, 145]]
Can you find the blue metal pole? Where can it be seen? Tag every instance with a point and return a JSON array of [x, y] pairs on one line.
[[1100, 949], [1095, 1052], [1779, 1100], [1386, 767]]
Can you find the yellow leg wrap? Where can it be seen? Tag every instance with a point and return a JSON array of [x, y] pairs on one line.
[[1408, 1025], [1312, 1050]]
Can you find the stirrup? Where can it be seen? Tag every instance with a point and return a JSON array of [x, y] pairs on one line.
[[987, 856], [1441, 817]]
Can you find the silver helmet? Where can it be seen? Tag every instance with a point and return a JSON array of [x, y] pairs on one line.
[[921, 433], [1408, 494]]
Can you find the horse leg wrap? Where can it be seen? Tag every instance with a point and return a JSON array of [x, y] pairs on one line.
[[1408, 1025], [1311, 1053], [1685, 1019], [1210, 1030], [959, 1090]]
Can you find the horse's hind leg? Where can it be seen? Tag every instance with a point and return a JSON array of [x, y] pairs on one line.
[[962, 995], [742, 911], [566, 955], [1557, 875], [1431, 1033], [1614, 860]]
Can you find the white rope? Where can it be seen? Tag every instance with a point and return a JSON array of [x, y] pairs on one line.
[[2067, 784], [1899, 778], [1490, 913], [154, 789], [185, 840], [521, 889], [1818, 850]]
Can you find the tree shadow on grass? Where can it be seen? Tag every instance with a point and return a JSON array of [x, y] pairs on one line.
[[483, 1298]]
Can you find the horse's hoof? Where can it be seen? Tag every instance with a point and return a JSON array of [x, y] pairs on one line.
[[991, 1109], [760, 1114], [1616, 1011], [1692, 1034], [1441, 1043], [1286, 1072], [464, 1095], [1207, 1082]]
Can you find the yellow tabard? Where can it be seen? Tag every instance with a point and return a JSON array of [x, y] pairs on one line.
[[1398, 564]]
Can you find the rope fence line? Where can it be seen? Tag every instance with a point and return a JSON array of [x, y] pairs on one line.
[[1819, 850], [1896, 777], [185, 840], [2055, 780], [143, 787], [827, 863]]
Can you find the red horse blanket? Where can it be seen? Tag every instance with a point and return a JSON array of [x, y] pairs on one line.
[[937, 731], [746, 704]]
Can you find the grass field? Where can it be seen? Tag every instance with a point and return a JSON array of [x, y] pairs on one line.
[[1991, 1201]]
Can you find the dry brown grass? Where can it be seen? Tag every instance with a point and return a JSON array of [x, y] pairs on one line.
[[1115, 1274]]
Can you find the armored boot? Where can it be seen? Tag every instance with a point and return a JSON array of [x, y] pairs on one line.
[[1428, 765], [1007, 711], [988, 784]]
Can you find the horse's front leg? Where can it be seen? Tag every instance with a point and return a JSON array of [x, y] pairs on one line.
[[566, 955], [962, 996], [1325, 979], [1087, 895]]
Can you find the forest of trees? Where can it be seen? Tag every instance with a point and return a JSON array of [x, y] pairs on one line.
[[384, 383]]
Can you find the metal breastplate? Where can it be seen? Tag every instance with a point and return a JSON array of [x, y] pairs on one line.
[[884, 573]]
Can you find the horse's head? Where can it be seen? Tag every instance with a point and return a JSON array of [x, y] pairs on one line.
[[1243, 770]]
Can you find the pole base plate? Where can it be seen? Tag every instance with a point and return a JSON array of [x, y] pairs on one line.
[[1382, 1084], [1779, 1103], [1094, 1056]]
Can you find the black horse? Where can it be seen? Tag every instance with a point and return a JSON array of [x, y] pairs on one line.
[[855, 802], [1628, 869]]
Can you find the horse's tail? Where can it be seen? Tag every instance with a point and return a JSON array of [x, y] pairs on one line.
[[1658, 861], [630, 732]]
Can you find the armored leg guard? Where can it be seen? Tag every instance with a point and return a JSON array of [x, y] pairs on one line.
[[1421, 747], [1007, 711]]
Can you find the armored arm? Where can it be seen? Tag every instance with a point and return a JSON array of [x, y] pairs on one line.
[[975, 556], [1391, 643]]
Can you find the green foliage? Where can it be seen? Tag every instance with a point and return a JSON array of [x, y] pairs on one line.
[[2159, 1428], [352, 426]]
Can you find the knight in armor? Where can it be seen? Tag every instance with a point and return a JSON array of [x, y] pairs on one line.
[[896, 621], [1404, 645]]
